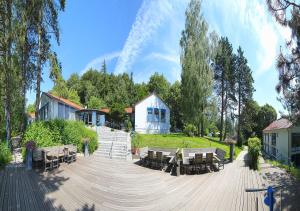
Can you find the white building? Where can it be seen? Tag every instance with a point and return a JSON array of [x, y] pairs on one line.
[[152, 115], [281, 140]]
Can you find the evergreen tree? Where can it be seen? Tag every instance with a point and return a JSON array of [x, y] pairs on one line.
[[224, 79], [287, 14], [46, 25], [244, 86]]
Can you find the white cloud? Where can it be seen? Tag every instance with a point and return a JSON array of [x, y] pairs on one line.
[[97, 62], [254, 20], [173, 58], [148, 19]]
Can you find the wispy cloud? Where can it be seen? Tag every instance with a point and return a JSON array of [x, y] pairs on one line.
[[97, 62], [173, 58], [261, 28], [149, 18]]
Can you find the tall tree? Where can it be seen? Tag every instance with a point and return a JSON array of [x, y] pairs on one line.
[[46, 25], [6, 65], [287, 14], [174, 102], [224, 79], [249, 117], [196, 76], [266, 115], [244, 86]]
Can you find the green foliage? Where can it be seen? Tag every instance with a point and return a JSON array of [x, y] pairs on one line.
[[196, 76], [265, 116], [30, 108], [128, 125], [5, 154], [60, 132], [159, 85], [95, 103], [117, 112], [286, 14], [190, 130], [290, 169], [254, 147], [174, 101]]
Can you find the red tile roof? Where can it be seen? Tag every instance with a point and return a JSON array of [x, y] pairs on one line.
[[65, 101], [129, 110], [279, 124], [31, 115]]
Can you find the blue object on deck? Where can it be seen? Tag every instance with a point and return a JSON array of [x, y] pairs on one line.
[[86, 149], [270, 200]]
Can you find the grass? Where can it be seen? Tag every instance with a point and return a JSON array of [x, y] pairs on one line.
[[294, 171], [178, 140]]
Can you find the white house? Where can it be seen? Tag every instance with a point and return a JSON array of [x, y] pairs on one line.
[[281, 140], [151, 115]]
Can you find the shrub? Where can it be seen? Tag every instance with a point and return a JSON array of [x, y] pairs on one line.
[[60, 132], [254, 146], [128, 125], [190, 130], [5, 154]]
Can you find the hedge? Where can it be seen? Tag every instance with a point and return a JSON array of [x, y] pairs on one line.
[[5, 154], [254, 146], [60, 132]]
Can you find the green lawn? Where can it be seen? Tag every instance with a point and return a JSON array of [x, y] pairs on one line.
[[177, 140]]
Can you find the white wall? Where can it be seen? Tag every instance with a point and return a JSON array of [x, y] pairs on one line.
[[141, 123], [53, 108], [282, 142]]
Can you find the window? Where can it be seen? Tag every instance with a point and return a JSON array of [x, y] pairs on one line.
[[67, 114], [61, 110], [44, 112], [149, 114], [156, 114], [295, 142], [163, 115], [273, 139]]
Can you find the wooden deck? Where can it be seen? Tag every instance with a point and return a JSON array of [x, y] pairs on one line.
[[102, 184]]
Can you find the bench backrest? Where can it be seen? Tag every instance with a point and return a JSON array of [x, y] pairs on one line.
[[220, 153], [37, 154]]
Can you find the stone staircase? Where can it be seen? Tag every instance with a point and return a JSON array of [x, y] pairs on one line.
[[114, 144]]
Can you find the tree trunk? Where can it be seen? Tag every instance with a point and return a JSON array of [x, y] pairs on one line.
[[7, 76], [239, 119], [39, 75], [222, 108]]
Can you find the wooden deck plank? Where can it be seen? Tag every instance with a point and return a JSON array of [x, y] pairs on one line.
[[103, 184]]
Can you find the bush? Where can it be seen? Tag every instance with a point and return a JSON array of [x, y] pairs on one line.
[[190, 130], [254, 146], [60, 132], [5, 154], [127, 125]]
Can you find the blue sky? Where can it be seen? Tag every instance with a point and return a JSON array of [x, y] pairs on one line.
[[142, 36]]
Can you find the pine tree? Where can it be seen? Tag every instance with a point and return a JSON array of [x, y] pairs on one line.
[[224, 79], [244, 86]]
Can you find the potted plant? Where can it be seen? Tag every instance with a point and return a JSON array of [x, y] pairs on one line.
[[86, 146], [30, 146], [135, 144]]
